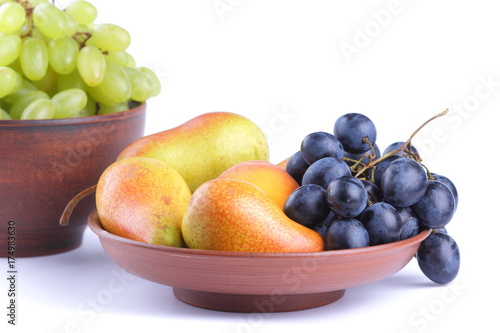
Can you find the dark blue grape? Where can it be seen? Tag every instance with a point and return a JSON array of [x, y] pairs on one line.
[[307, 205], [403, 182], [346, 233], [346, 196], [373, 191], [409, 219], [436, 208], [382, 222], [397, 145], [445, 180], [320, 144], [351, 128], [296, 166], [321, 228], [438, 257], [380, 168], [323, 171]]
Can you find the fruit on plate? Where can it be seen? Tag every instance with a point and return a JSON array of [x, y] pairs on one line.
[[204, 147], [373, 198], [270, 178], [235, 215], [143, 199]]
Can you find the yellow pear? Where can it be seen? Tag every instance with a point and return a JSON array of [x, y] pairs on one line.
[[235, 215], [143, 199], [270, 178], [205, 146]]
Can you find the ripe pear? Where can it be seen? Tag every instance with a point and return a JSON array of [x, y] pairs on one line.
[[143, 199], [273, 180], [235, 215], [205, 146]]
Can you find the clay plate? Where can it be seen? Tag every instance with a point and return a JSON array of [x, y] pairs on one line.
[[256, 282]]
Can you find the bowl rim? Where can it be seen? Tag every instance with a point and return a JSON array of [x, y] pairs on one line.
[[96, 226], [73, 121]]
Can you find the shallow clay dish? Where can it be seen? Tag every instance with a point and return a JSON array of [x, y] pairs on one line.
[[256, 282], [45, 163]]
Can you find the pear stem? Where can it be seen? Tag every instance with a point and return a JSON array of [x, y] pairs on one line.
[[64, 220]]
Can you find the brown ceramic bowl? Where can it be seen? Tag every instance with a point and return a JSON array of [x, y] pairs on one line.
[[44, 164], [256, 282]]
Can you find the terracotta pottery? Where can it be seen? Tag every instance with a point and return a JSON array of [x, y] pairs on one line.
[[44, 164], [256, 282]]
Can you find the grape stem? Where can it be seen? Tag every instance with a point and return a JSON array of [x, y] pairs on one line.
[[64, 220], [29, 15], [408, 143], [406, 147]]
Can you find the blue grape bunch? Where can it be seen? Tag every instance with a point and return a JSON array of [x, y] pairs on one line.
[[355, 196]]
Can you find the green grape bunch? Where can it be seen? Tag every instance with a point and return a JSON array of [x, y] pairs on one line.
[[58, 63]]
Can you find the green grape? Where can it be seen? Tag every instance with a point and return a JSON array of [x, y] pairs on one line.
[[119, 107], [12, 17], [62, 54], [10, 48], [50, 20], [4, 105], [26, 87], [34, 58], [18, 107], [70, 81], [141, 89], [48, 83], [114, 88], [4, 115], [69, 102], [131, 60], [34, 32], [152, 81], [16, 65], [10, 81], [122, 58], [82, 11], [109, 37], [25, 29], [39, 109], [90, 108], [72, 25], [91, 65]]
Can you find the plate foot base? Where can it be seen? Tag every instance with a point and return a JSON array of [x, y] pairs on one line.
[[256, 303]]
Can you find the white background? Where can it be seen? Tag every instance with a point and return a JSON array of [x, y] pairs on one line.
[[293, 67]]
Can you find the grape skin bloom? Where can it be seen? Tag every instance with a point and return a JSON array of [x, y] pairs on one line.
[[439, 258], [403, 182], [351, 128], [347, 196]]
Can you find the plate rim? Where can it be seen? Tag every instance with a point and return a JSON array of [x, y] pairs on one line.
[[95, 225]]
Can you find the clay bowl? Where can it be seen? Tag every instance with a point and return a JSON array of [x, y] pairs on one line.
[[44, 164], [256, 282]]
